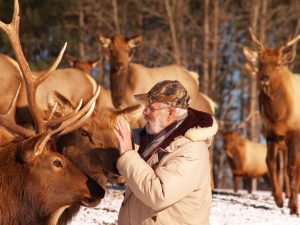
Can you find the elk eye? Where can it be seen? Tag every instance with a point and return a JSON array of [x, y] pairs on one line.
[[57, 163], [84, 133]]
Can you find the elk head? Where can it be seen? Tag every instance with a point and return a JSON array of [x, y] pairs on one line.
[[84, 65], [94, 147], [120, 50], [269, 64], [36, 156], [233, 139]]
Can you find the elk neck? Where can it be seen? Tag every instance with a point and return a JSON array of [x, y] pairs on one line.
[[279, 95], [120, 83]]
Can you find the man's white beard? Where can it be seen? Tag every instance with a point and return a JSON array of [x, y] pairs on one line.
[[157, 125]]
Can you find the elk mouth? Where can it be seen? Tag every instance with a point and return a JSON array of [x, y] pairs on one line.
[[90, 202]]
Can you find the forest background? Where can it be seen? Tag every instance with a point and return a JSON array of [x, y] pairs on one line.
[[206, 36]]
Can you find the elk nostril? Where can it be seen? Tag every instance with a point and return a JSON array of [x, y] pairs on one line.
[[265, 78]]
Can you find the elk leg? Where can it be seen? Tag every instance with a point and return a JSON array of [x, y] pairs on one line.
[[249, 184], [272, 155], [286, 176], [279, 173], [293, 170], [236, 182]]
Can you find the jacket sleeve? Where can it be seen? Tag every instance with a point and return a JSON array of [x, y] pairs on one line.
[[180, 175]]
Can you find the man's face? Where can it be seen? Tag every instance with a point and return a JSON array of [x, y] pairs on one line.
[[157, 116]]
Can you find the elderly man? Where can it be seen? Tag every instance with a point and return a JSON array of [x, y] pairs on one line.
[[168, 178]]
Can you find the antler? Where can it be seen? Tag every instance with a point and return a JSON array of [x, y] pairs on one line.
[[246, 120], [8, 119], [31, 80], [76, 118], [290, 42], [260, 45]]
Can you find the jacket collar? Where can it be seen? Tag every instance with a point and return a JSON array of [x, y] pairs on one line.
[[197, 126]]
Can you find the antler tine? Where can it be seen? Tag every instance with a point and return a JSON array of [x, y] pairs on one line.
[[291, 42], [52, 112], [246, 120], [260, 45], [46, 74], [76, 120], [61, 119], [79, 121], [8, 119]]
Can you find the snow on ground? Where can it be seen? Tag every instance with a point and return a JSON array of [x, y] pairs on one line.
[[227, 209]]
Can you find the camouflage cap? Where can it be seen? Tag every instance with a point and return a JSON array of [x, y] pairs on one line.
[[170, 92]]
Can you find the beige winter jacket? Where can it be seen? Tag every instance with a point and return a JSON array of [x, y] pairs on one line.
[[177, 191]]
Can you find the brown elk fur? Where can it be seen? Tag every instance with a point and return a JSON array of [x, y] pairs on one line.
[[280, 109], [34, 189], [246, 158], [93, 147]]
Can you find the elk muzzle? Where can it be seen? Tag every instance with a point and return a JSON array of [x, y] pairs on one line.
[[265, 80]]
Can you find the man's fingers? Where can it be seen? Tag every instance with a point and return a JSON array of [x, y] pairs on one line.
[[118, 135]]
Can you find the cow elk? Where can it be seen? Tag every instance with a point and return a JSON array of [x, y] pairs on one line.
[[86, 66], [279, 107], [37, 184], [127, 78], [246, 158]]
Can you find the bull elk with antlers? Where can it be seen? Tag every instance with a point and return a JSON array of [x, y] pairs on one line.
[[279, 107], [37, 184]]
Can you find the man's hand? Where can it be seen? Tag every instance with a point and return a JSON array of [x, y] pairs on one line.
[[123, 134]]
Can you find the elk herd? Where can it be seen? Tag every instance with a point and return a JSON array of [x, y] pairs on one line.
[[57, 142]]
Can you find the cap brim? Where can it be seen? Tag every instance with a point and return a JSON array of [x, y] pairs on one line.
[[142, 97]]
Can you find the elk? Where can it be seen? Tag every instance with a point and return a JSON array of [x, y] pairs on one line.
[[86, 66], [246, 158], [37, 183], [127, 78], [279, 108]]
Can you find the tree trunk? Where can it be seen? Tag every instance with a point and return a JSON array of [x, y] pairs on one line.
[[81, 27], [206, 48], [176, 53], [253, 84], [116, 16]]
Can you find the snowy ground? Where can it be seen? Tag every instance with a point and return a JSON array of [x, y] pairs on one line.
[[227, 209]]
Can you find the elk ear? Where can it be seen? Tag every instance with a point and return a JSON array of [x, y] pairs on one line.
[[288, 56], [71, 60], [64, 105], [105, 42], [32, 147], [251, 69], [131, 113], [135, 41], [95, 62], [251, 56]]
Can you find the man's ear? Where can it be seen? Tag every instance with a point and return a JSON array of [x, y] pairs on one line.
[[172, 112]]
